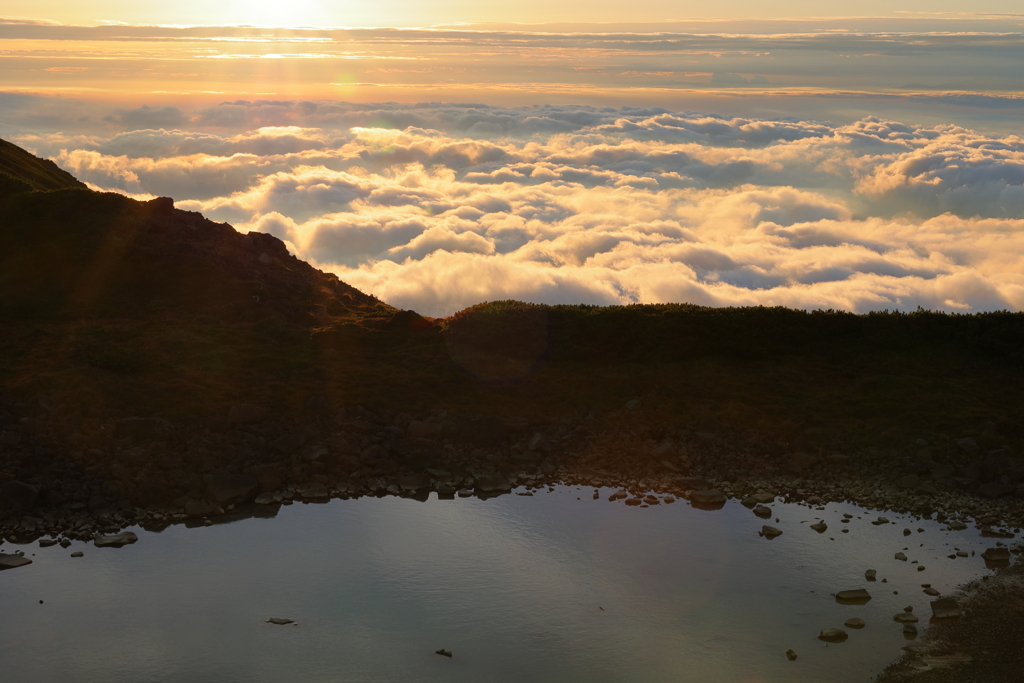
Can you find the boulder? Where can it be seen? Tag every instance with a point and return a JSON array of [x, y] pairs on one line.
[[228, 489], [13, 561], [18, 496], [143, 428], [116, 540], [708, 497], [996, 557], [244, 412], [763, 512], [858, 596], [832, 635], [945, 608]]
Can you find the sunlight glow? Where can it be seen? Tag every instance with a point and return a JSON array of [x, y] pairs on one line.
[[279, 12]]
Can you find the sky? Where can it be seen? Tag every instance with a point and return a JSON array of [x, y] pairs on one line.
[[439, 154]]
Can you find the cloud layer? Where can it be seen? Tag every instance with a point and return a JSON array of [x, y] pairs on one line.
[[437, 207]]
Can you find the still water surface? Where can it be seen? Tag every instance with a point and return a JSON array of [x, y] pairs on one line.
[[542, 588]]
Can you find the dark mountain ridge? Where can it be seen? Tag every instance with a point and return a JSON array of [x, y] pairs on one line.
[[68, 252]]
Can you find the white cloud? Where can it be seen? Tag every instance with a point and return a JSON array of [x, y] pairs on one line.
[[582, 204]]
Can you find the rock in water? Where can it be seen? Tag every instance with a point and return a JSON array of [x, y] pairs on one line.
[[770, 532], [443, 652], [116, 540], [870, 574], [12, 561], [832, 635], [279, 621], [901, 557], [708, 498], [820, 527], [854, 597], [763, 512], [790, 655], [945, 608], [905, 618], [856, 622]]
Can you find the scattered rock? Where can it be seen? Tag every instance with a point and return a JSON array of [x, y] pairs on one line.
[[901, 557], [12, 561], [116, 540], [443, 652], [708, 498], [47, 542], [832, 635], [279, 621], [856, 622], [870, 574], [790, 655], [820, 527], [997, 555], [78, 553], [770, 532], [857, 596]]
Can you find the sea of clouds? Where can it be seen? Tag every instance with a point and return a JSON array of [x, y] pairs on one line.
[[436, 207]]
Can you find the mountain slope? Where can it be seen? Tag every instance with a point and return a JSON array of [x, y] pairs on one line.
[[20, 171], [69, 253]]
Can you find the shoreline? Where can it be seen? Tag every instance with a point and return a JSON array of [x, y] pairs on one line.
[[96, 477]]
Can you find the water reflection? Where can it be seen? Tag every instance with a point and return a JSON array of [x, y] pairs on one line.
[[554, 587]]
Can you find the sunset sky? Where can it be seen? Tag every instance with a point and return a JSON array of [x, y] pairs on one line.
[[439, 154]]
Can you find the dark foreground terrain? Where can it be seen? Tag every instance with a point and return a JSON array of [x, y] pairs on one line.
[[160, 368]]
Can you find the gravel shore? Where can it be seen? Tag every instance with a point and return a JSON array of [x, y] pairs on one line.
[[63, 478]]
